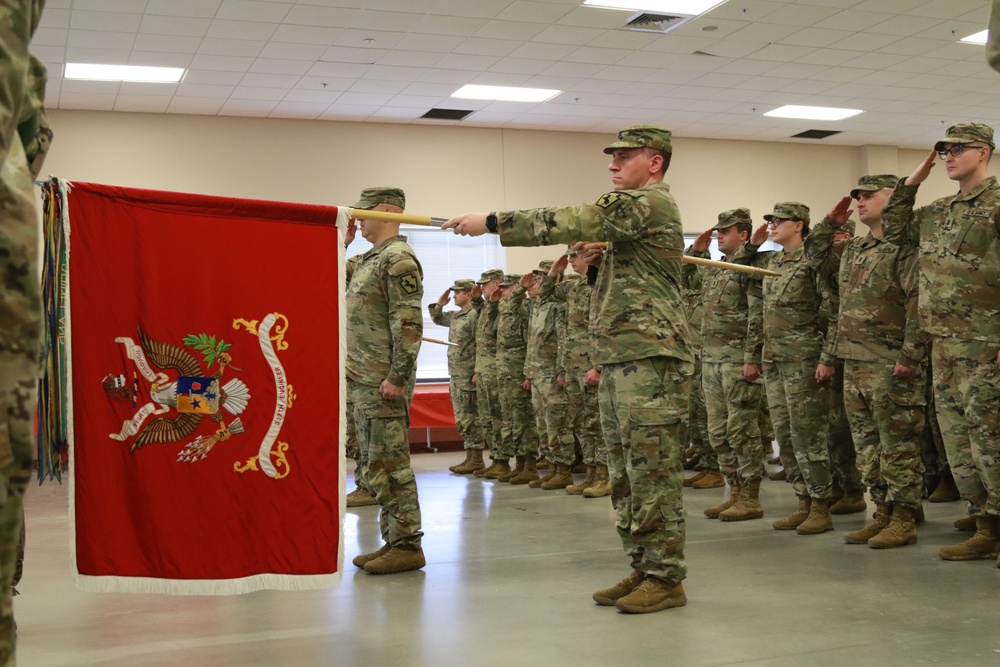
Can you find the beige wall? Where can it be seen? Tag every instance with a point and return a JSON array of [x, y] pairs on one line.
[[447, 170]]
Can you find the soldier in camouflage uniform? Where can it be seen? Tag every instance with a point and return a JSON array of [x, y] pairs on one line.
[[794, 351], [875, 331], [485, 377], [958, 244], [577, 371], [461, 367], [548, 397], [641, 333], [732, 340], [24, 141], [519, 437], [384, 327]]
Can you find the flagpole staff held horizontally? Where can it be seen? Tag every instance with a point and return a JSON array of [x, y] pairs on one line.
[[439, 342], [427, 221]]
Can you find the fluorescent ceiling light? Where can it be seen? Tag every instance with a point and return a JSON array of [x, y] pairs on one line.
[[123, 73], [978, 38], [686, 7], [813, 113], [505, 93]]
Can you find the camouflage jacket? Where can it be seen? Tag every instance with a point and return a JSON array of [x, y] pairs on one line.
[[877, 316], [732, 317], [693, 282], [638, 304], [24, 141], [958, 241], [576, 349], [461, 331], [486, 338], [547, 320], [512, 326], [795, 307], [384, 320], [349, 267]]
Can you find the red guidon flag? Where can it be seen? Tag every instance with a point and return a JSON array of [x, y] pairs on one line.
[[204, 340]]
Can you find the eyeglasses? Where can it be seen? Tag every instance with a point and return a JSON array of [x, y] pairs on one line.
[[956, 150], [774, 223]]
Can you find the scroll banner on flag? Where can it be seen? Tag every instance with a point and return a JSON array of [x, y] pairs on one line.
[[204, 338]]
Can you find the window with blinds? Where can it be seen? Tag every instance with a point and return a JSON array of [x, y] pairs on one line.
[[445, 258]]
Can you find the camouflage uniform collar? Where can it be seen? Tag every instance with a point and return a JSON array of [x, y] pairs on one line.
[[382, 246], [989, 182], [794, 255]]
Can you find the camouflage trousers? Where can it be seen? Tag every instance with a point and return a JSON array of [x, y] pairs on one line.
[[353, 452], [518, 435], [644, 404], [766, 427], [488, 407], [463, 404], [967, 397], [382, 426], [585, 417], [800, 409], [887, 422], [18, 381], [552, 417], [843, 457], [932, 444], [734, 408], [706, 457]]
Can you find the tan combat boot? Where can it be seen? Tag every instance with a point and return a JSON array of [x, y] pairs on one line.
[[984, 544], [502, 468], [474, 463], [602, 484], [778, 475], [541, 480], [819, 519], [714, 511], [468, 455], [747, 506], [397, 559], [517, 470], [578, 489], [713, 479], [694, 478], [560, 480], [652, 595], [880, 519], [902, 529], [359, 561], [966, 525], [542, 463], [607, 597], [946, 490], [488, 469], [529, 474], [360, 497], [795, 519], [850, 503]]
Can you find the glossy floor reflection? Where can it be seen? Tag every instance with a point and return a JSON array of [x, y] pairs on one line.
[[508, 581]]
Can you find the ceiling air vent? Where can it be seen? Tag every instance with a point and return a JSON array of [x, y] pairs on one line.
[[815, 134], [660, 23], [447, 114]]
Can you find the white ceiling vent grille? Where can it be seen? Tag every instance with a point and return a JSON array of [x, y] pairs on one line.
[[660, 23]]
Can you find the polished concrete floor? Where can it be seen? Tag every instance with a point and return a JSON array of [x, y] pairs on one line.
[[509, 575]]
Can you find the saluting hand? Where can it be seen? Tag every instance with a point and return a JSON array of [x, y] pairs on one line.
[[445, 298], [759, 235], [842, 211], [703, 241], [559, 266], [922, 171], [352, 230], [470, 224], [591, 252]]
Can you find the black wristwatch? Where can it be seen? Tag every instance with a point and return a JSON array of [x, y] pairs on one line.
[[491, 222]]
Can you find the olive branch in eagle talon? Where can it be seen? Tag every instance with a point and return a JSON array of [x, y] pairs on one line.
[[209, 348]]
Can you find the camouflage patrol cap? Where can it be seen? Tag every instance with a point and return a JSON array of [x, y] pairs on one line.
[[874, 183], [642, 136], [543, 266], [372, 197], [492, 274], [463, 285], [966, 133], [789, 210], [734, 217], [510, 279]]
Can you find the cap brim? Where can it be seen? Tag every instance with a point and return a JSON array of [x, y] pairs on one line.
[[620, 144], [769, 217]]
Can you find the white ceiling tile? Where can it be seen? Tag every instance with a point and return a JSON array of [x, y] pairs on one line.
[[99, 39], [945, 9], [587, 86], [243, 30], [699, 63], [258, 108], [764, 32], [809, 87], [288, 51], [749, 67], [91, 87], [214, 46], [160, 59], [340, 70], [561, 34], [223, 63], [395, 114], [866, 42], [487, 47], [323, 17], [319, 96], [510, 30], [911, 46], [274, 66], [735, 95], [589, 54], [282, 81], [815, 37], [394, 21], [450, 76], [143, 103], [917, 65], [423, 102], [534, 12], [543, 51], [842, 74], [117, 6], [762, 83], [522, 66], [174, 25], [204, 90], [853, 20], [466, 62], [212, 77], [87, 101], [110, 21], [253, 10], [379, 87], [707, 26], [257, 93], [781, 53], [176, 43], [349, 112], [672, 76], [829, 57], [403, 58], [797, 71], [105, 56], [54, 18], [951, 31], [434, 43], [190, 8], [306, 34], [304, 110], [448, 25], [904, 26], [801, 14], [875, 60], [678, 44], [619, 73], [430, 89], [486, 10], [48, 54]]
